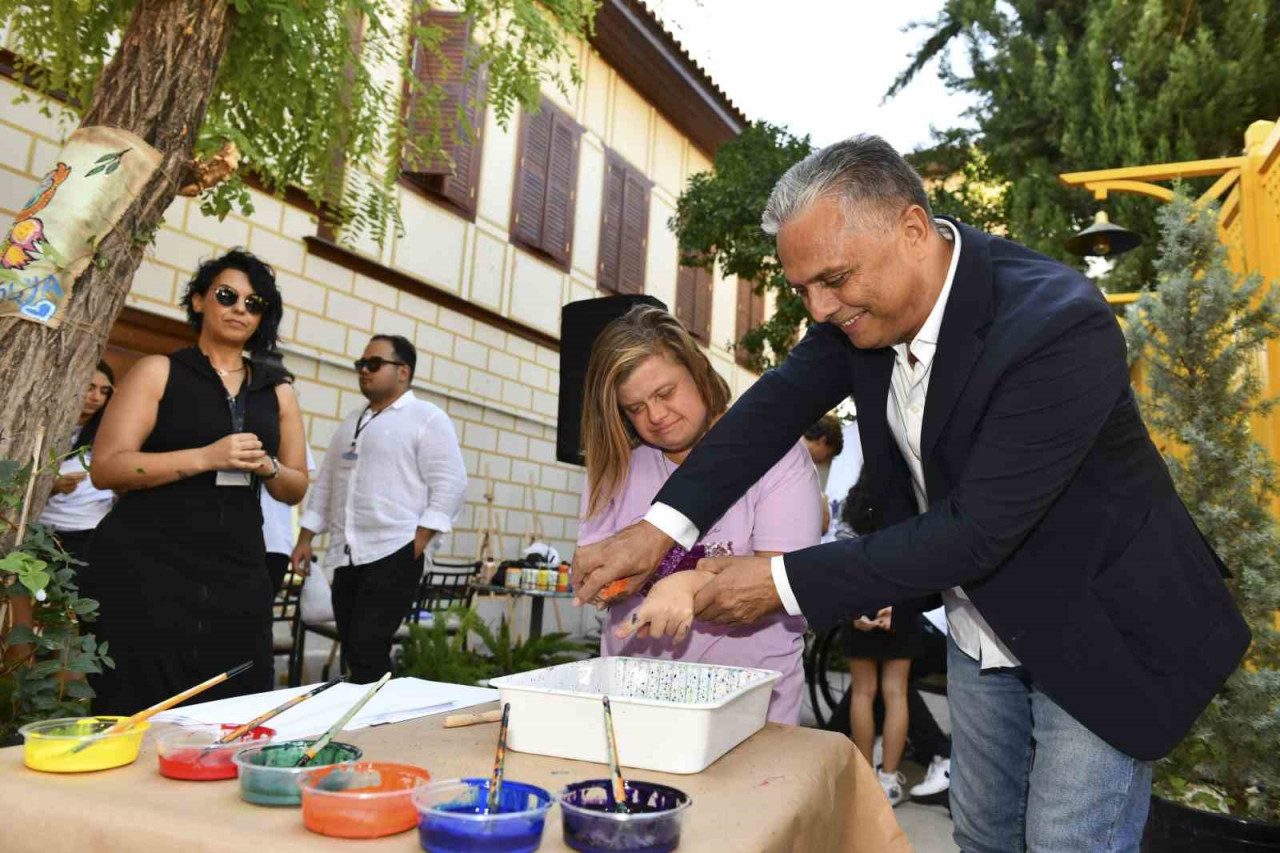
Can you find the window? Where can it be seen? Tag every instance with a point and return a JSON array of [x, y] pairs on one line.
[[545, 196], [624, 227], [750, 315], [693, 301], [454, 173]]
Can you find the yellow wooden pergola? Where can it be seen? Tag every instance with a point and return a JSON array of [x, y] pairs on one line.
[[1249, 219]]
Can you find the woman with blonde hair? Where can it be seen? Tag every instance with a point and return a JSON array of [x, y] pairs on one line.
[[650, 396]]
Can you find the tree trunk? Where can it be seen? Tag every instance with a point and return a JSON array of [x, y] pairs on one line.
[[157, 86]]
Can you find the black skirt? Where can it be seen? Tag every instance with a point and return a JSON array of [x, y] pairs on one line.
[[904, 640]]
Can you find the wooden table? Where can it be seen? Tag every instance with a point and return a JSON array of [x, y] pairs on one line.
[[784, 789]]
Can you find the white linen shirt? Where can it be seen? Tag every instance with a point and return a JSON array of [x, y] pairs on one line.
[[408, 474], [908, 390]]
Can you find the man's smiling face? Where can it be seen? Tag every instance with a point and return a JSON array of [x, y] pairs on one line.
[[865, 280]]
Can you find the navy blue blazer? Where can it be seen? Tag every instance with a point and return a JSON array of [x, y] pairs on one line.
[[1048, 502]]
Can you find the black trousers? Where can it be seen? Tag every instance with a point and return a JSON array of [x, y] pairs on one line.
[[277, 568], [369, 603]]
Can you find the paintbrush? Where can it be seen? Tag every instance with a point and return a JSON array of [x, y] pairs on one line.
[[499, 761], [615, 769], [142, 716], [241, 731], [315, 748]]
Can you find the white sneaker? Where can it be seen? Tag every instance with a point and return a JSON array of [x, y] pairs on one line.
[[936, 779], [877, 752], [892, 785]]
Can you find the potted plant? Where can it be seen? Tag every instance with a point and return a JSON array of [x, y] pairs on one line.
[[45, 653], [438, 652], [1198, 341]]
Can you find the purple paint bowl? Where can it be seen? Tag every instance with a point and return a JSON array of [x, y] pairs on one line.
[[590, 825]]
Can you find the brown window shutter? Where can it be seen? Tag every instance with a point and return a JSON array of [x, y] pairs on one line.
[[687, 298], [448, 70], [461, 184], [702, 305], [561, 187], [530, 193], [615, 181], [635, 233]]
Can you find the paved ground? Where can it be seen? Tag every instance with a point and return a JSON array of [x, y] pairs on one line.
[[927, 827]]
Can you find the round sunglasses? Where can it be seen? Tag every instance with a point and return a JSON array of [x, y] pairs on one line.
[[228, 297]]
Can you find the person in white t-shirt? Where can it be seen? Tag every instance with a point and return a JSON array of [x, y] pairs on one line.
[[391, 482], [75, 506]]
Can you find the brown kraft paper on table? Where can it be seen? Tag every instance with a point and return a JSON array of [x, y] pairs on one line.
[[784, 790]]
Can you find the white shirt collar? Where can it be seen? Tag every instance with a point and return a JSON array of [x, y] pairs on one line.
[[408, 395], [926, 340]]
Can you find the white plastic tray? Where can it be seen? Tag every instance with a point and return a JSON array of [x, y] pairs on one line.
[[669, 716]]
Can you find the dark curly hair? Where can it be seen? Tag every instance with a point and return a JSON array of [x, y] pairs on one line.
[[859, 513], [262, 278]]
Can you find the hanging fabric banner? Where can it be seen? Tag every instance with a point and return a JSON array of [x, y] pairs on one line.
[[99, 171]]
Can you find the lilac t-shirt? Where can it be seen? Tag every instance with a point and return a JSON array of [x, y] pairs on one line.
[[781, 512]]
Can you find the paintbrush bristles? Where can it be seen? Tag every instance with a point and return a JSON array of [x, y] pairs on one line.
[[499, 762]]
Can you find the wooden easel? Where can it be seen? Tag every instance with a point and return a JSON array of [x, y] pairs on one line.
[[535, 535], [489, 550]]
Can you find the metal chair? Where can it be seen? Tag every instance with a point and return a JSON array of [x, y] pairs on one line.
[[286, 609], [443, 587]]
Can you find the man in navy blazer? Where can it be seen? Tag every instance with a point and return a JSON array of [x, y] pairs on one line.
[[1004, 449]]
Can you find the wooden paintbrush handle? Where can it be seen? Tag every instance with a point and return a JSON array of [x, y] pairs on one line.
[[454, 721]]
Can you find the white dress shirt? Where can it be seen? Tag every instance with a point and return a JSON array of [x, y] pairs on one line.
[[277, 517], [407, 473], [908, 390]]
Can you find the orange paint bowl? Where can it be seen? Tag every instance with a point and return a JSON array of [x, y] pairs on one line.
[[361, 799]]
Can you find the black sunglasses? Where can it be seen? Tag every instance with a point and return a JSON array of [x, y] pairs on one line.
[[228, 297], [374, 363]]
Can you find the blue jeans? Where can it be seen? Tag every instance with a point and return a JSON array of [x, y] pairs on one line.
[[1025, 776]]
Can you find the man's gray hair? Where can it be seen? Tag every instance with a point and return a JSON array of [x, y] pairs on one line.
[[871, 179]]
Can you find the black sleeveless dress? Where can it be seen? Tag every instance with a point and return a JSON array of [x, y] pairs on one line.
[[181, 571]]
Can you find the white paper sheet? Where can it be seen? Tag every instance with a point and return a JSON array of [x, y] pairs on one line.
[[401, 699]]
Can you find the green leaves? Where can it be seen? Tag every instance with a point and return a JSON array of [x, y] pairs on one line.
[[47, 681], [310, 92], [717, 222]]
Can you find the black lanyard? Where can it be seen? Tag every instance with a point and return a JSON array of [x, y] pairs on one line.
[[237, 405], [360, 427]]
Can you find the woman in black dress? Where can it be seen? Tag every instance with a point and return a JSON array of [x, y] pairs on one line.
[[880, 649], [188, 441]]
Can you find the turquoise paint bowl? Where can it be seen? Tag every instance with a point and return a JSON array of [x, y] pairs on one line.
[[268, 776]]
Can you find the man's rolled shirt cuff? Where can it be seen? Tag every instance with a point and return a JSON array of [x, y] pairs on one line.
[[673, 523], [434, 519], [314, 521], [779, 571]]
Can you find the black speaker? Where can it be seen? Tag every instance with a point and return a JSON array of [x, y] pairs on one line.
[[580, 324]]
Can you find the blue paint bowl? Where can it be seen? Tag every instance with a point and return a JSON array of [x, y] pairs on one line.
[[652, 824], [452, 818]]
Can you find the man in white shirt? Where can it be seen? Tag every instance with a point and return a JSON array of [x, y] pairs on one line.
[[391, 481], [1013, 474]]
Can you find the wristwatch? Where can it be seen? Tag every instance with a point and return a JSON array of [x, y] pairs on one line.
[[275, 471]]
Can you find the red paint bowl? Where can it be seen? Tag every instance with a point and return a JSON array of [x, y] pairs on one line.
[[182, 752], [361, 799]]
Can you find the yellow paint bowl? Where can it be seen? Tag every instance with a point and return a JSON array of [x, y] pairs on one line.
[[49, 745]]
